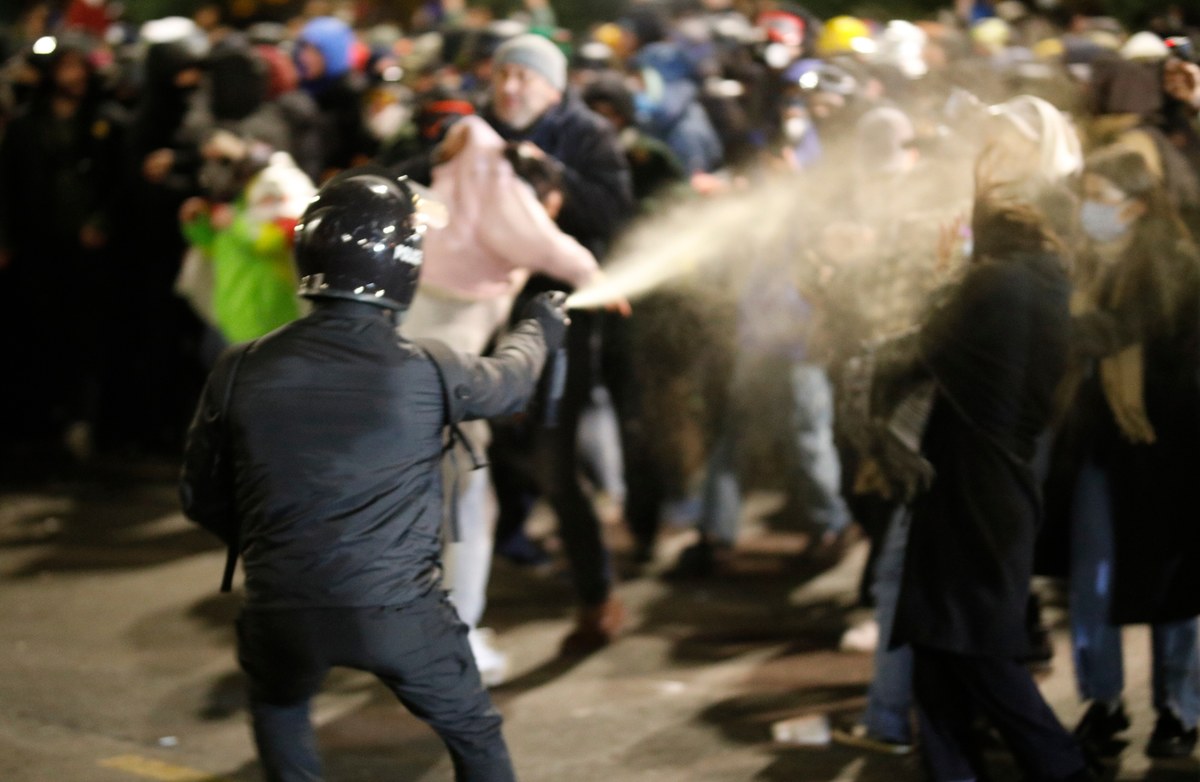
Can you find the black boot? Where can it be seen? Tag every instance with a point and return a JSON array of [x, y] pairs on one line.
[[1170, 738], [1098, 729]]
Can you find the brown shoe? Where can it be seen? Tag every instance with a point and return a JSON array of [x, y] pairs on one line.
[[596, 627]]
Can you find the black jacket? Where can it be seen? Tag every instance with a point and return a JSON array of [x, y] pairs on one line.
[[996, 350], [343, 132], [55, 177], [330, 477]]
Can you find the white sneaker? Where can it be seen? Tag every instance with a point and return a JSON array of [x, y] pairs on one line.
[[491, 662], [862, 637]]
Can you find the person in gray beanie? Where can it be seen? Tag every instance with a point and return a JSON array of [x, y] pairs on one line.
[[529, 76], [530, 105], [537, 53]]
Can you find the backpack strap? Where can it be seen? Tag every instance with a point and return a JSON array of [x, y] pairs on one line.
[[222, 424], [445, 360]]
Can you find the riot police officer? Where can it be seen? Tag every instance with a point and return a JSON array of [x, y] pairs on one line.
[[315, 453]]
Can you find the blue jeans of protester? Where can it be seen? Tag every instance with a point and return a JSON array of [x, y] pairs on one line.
[[890, 696], [1096, 642], [820, 467], [819, 470]]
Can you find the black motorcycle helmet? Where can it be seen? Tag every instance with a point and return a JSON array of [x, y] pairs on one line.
[[360, 239]]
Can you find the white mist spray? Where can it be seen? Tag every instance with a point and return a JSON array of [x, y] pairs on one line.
[[691, 235]]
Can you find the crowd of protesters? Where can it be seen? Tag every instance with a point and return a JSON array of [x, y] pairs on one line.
[[956, 303]]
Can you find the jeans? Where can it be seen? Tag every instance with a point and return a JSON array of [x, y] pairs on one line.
[[820, 469], [1096, 643], [890, 696], [600, 443], [721, 495], [818, 475]]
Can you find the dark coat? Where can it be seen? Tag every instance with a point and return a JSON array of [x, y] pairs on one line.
[[55, 177], [1156, 535], [997, 350], [148, 223], [331, 480], [343, 131]]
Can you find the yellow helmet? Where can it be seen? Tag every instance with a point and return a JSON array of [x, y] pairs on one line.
[[608, 34], [845, 35], [1049, 49]]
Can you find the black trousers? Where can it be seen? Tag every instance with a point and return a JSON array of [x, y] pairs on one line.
[[952, 690], [552, 468], [419, 651]]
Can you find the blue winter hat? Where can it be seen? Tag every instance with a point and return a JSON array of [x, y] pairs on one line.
[[334, 39], [537, 54]]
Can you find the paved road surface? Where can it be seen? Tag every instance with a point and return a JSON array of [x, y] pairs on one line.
[[116, 664]]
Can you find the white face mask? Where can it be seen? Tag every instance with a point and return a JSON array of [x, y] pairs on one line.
[[1103, 222], [795, 128], [387, 122]]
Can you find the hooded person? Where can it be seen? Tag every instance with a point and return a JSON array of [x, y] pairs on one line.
[[163, 171], [885, 139], [669, 108], [652, 165], [891, 170], [325, 58], [299, 110], [248, 243], [819, 106], [1051, 151], [246, 127], [996, 348], [171, 75]]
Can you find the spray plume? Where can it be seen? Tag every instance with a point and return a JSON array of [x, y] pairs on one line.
[[793, 230], [690, 236]]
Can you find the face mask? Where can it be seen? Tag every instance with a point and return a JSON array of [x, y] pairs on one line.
[[1103, 222], [795, 128], [388, 121]]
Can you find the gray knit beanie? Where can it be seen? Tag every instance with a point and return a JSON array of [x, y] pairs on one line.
[[537, 54]]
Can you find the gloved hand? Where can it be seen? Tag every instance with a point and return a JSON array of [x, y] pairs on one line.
[[549, 309], [907, 472]]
